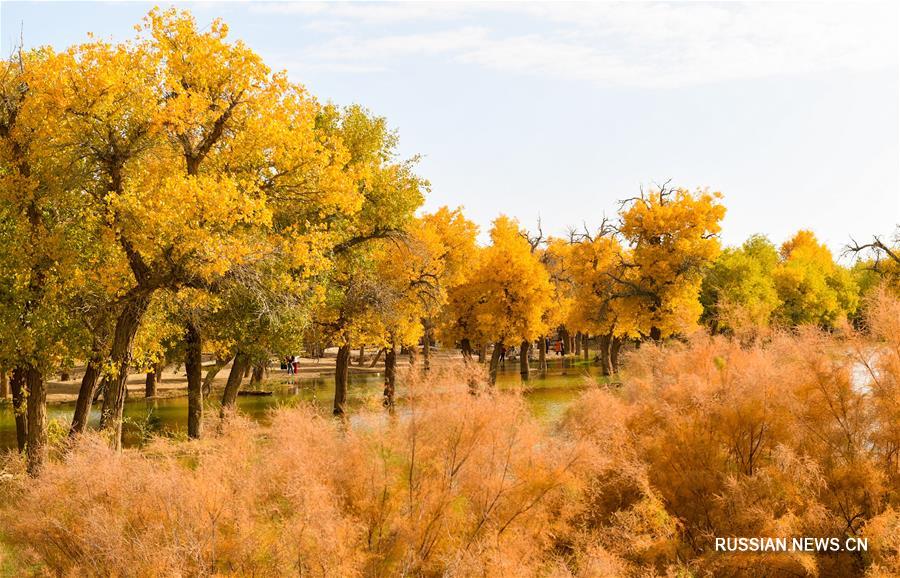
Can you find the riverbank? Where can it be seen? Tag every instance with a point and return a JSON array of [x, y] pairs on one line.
[[547, 394], [173, 381]]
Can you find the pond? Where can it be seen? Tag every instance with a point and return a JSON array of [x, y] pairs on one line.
[[547, 395]]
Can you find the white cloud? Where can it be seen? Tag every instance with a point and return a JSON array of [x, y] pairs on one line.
[[636, 44], [389, 47], [368, 12]]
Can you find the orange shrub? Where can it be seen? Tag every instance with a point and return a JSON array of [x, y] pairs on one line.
[[788, 435]]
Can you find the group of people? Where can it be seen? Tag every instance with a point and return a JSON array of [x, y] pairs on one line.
[[555, 346], [292, 364]]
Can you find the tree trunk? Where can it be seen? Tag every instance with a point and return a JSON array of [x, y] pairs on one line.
[[341, 377], [65, 375], [150, 384], [578, 338], [585, 346], [605, 342], [233, 385], [361, 360], [566, 342], [120, 353], [614, 347], [193, 366], [426, 340], [247, 371], [256, 376], [85, 397], [390, 376], [211, 374], [4, 384], [495, 362], [482, 352], [19, 395], [655, 334], [524, 369], [542, 354], [466, 348], [377, 357], [101, 390], [36, 448]]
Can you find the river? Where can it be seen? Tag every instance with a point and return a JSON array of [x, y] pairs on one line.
[[547, 395]]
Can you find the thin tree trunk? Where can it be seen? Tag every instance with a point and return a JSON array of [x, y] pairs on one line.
[[524, 369], [247, 371], [211, 374], [542, 354], [578, 344], [341, 377], [585, 346], [233, 385], [466, 349], [120, 353], [482, 352], [36, 448], [19, 395], [4, 384], [495, 362], [361, 360], [85, 397], [193, 366], [426, 339], [390, 376], [377, 357], [150, 384], [101, 391]]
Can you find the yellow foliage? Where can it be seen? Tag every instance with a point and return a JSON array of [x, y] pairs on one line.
[[811, 286], [507, 295], [672, 235]]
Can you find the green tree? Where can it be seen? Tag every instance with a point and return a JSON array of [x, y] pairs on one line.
[[390, 192], [738, 289]]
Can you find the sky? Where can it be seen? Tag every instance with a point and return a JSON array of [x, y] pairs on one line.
[[556, 111]]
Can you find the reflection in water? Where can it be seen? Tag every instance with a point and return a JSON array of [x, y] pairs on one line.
[[547, 396]]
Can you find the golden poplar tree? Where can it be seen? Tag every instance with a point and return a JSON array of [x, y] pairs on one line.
[[671, 235], [507, 296]]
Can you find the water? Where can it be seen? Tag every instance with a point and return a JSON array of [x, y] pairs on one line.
[[547, 396]]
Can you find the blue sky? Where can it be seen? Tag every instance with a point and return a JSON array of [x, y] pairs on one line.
[[558, 110]]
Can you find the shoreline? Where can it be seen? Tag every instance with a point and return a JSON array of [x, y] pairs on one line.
[[173, 381]]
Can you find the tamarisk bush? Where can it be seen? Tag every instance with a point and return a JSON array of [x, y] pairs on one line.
[[788, 435]]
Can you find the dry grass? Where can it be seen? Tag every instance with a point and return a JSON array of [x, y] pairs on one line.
[[790, 435]]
